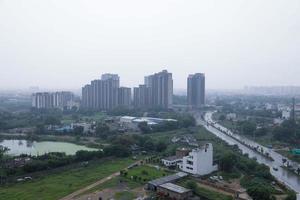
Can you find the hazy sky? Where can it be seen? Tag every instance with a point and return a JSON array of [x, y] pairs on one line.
[[67, 43]]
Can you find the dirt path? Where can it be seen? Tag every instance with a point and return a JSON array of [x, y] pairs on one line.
[[215, 189], [80, 191], [76, 193]]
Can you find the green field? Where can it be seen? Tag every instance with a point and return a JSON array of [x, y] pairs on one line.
[[55, 186], [126, 195], [99, 116], [145, 173]]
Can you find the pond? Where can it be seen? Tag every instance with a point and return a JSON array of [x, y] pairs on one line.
[[17, 147]]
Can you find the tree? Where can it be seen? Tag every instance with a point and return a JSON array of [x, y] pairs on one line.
[[160, 146], [102, 130], [247, 127], [52, 120], [291, 196], [2, 151], [78, 130], [117, 150], [228, 161], [149, 145], [261, 131], [222, 117], [143, 126], [40, 129], [259, 192], [191, 185]]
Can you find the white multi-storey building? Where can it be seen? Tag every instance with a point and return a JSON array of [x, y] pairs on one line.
[[286, 114], [199, 161]]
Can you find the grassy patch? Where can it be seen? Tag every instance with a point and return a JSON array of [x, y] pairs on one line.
[[229, 175], [145, 173], [113, 183], [126, 195], [211, 195], [60, 184], [203, 192]]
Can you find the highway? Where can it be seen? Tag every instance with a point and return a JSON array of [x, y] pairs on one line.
[[290, 179]]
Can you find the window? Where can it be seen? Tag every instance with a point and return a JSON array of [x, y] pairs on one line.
[[189, 162]]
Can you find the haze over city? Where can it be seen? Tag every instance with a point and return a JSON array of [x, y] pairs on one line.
[[65, 44]]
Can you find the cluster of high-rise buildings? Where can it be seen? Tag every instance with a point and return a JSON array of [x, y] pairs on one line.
[[155, 92], [49, 100], [106, 94]]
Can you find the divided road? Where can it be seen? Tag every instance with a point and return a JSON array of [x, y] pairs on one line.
[[288, 178]]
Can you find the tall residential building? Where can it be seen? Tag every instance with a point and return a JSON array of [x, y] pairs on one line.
[[86, 96], [161, 89], [49, 100], [102, 94], [124, 96], [196, 90], [141, 96]]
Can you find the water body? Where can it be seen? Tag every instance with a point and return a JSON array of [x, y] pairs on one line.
[[17, 147], [288, 178]]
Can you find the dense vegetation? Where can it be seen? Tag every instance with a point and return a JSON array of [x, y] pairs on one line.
[[257, 177]]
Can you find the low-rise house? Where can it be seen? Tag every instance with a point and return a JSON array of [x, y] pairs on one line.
[[172, 161], [87, 127], [286, 114], [17, 162], [63, 129], [172, 191], [231, 116], [277, 121], [186, 139]]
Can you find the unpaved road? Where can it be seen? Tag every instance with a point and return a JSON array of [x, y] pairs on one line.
[[80, 191]]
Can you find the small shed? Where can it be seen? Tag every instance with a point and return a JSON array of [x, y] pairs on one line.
[[153, 185], [172, 191]]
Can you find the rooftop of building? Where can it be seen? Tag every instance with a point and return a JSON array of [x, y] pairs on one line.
[[147, 119], [174, 188], [167, 179], [172, 158]]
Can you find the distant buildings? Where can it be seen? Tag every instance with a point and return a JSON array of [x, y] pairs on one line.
[[141, 97], [124, 96], [231, 116], [286, 114], [50, 100], [105, 94], [157, 91], [196, 90]]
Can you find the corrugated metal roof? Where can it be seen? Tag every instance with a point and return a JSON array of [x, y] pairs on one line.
[[174, 188], [167, 179]]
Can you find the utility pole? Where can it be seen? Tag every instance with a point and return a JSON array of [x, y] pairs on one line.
[[294, 117], [293, 110]]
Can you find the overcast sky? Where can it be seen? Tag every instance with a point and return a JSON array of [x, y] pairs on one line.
[[67, 43]]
